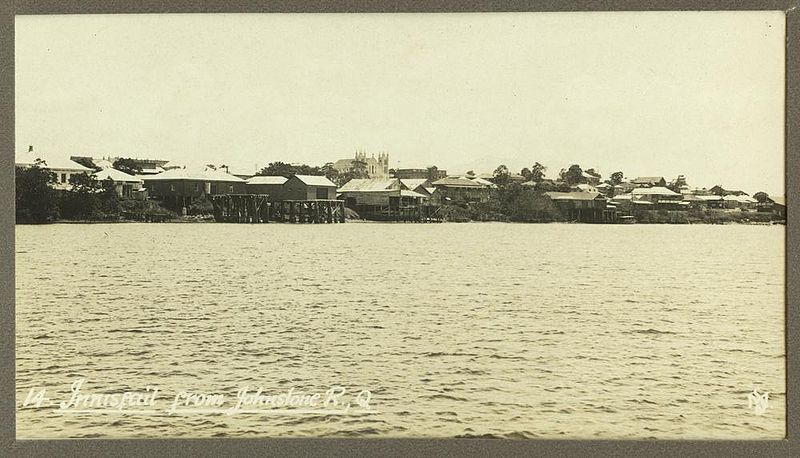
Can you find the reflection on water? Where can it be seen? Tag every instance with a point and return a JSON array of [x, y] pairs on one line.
[[503, 330]]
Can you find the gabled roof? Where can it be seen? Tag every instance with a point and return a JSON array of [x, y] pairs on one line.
[[740, 198], [52, 161], [413, 183], [409, 193], [315, 180], [648, 180], [575, 195], [193, 174], [708, 198], [458, 183], [371, 185], [654, 191], [151, 168], [115, 175], [279, 180], [585, 187], [104, 163], [480, 180]]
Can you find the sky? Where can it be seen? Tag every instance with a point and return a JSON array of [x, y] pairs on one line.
[[646, 93]]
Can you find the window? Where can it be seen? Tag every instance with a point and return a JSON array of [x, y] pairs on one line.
[[63, 177], [230, 188], [172, 187], [197, 187]]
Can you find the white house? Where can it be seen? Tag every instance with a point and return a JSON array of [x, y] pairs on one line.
[[61, 165], [125, 185]]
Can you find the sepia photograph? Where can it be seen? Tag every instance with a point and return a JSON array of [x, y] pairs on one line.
[[534, 225]]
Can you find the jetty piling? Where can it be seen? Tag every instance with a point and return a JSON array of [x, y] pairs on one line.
[[258, 208]]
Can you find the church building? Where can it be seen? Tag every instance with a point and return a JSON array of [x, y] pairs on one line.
[[375, 167]]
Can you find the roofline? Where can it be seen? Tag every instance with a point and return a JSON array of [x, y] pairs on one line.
[[157, 178]]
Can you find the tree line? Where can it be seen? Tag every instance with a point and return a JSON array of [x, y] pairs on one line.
[[87, 199]]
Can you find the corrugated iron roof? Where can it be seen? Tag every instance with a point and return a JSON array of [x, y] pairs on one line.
[[315, 180], [458, 183], [371, 185], [115, 175], [654, 191], [647, 179], [193, 174], [52, 161], [413, 183], [480, 180], [740, 198], [575, 195], [279, 180], [585, 187]]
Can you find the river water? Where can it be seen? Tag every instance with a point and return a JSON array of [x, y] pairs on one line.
[[484, 329]]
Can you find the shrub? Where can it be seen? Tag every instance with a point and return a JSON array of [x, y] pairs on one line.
[[201, 206], [145, 210]]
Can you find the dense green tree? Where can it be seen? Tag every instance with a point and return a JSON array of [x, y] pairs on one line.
[[552, 186], [35, 199], [528, 206], [330, 172], [277, 168], [537, 172], [283, 169], [501, 175], [761, 196], [616, 178], [359, 169], [81, 201], [511, 202], [87, 162], [573, 175], [127, 165], [108, 200]]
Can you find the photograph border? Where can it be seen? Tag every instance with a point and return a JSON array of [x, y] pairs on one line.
[[11, 446]]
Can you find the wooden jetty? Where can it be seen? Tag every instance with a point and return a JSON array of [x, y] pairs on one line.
[[258, 208]]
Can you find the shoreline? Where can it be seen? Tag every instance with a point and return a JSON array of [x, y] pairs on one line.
[[211, 221]]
